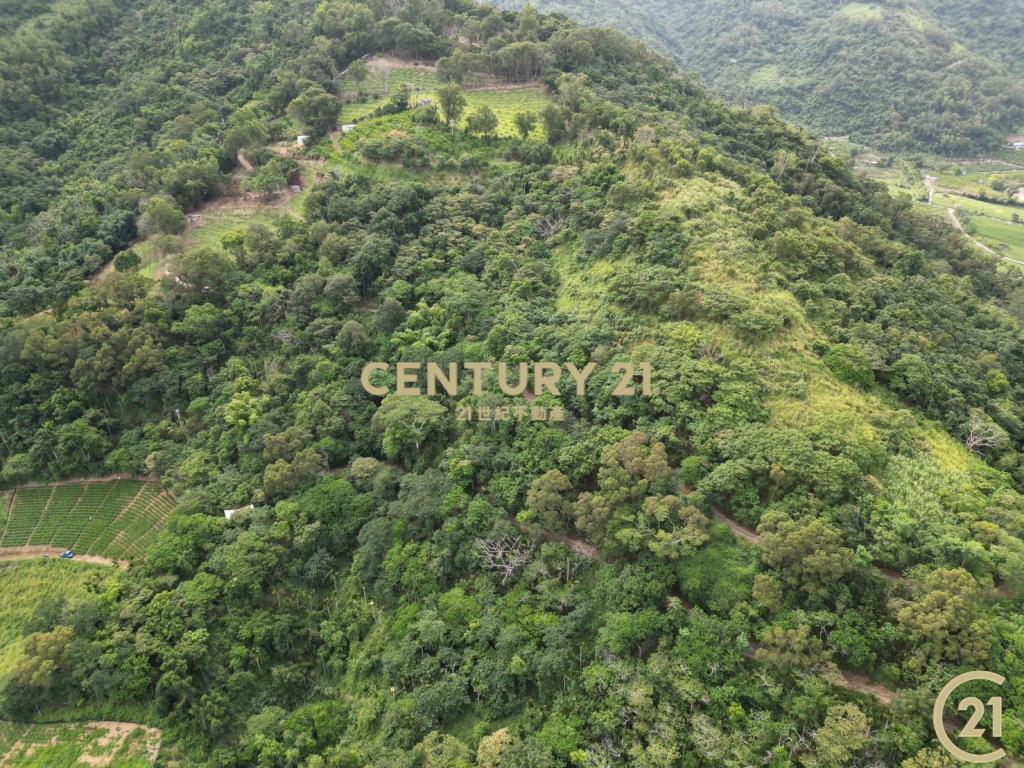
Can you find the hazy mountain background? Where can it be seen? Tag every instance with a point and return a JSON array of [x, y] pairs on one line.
[[933, 75]]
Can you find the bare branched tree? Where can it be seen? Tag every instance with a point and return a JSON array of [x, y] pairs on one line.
[[982, 433], [505, 555], [550, 225], [709, 351]]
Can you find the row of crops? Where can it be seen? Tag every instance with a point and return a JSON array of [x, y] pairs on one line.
[[115, 518]]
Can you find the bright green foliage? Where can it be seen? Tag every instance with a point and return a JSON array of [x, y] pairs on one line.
[[548, 500], [844, 734], [849, 364], [37, 592], [406, 424], [525, 121], [315, 109], [482, 121], [807, 554], [452, 103], [272, 177], [944, 620], [127, 260]]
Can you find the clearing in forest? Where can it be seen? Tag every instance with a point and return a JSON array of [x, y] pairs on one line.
[[101, 744], [386, 75]]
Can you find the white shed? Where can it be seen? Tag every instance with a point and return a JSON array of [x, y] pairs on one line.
[[229, 513], [301, 141], [348, 127]]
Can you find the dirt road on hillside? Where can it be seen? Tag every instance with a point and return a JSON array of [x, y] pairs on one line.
[[38, 552]]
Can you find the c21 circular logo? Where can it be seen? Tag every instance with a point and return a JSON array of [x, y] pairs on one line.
[[977, 712]]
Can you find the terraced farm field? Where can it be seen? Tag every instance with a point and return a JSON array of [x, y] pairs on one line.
[[506, 102], [113, 518], [99, 743], [384, 77], [387, 75]]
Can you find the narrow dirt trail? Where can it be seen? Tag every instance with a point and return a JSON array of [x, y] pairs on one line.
[[578, 546], [889, 573], [853, 681], [930, 185], [857, 681], [962, 231], [737, 529], [80, 480], [754, 538], [36, 552], [244, 161]]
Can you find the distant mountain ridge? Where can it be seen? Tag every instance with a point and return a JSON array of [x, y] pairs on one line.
[[932, 75]]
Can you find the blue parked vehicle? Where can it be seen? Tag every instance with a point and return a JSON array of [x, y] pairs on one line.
[[67, 554]]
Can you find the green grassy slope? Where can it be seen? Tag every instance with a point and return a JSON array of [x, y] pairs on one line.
[[33, 593]]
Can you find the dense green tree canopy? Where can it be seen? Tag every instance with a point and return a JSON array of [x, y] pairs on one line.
[[825, 475]]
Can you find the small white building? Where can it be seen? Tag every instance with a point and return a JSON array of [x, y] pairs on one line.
[[302, 141], [229, 513], [348, 127]]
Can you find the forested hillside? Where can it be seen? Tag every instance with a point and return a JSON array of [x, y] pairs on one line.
[[936, 76], [813, 522]]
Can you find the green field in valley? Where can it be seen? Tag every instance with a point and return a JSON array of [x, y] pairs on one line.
[[1004, 236], [991, 223], [985, 181], [116, 519], [978, 207]]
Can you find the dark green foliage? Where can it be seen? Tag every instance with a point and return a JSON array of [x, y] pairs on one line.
[[849, 364]]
